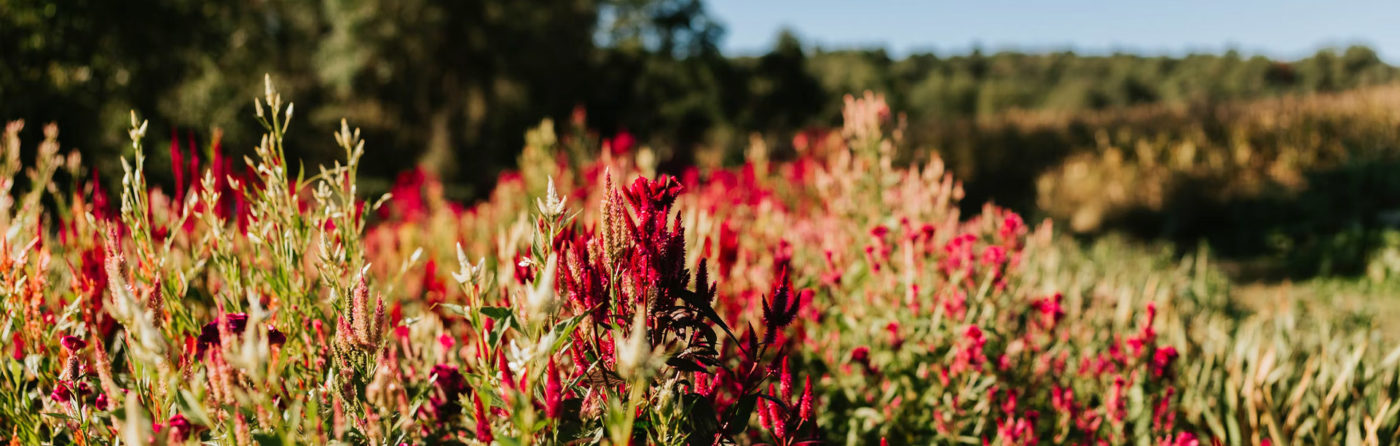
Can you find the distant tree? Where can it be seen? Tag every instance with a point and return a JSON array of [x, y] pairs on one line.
[[781, 94]]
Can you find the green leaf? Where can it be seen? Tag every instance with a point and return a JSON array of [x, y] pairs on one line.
[[497, 313], [736, 418], [190, 407], [701, 416], [264, 438], [564, 329], [454, 308], [301, 174]]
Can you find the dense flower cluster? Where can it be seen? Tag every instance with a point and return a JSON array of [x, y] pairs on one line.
[[819, 296]]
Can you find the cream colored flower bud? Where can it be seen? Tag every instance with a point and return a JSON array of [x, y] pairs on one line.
[[634, 351]]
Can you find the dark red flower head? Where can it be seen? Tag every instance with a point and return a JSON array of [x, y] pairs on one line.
[[72, 343], [654, 195], [483, 424], [61, 393], [1162, 360], [235, 323], [453, 386], [781, 309], [450, 380], [553, 391], [180, 428], [621, 143]]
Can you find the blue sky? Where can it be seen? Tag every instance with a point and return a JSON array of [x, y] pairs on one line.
[[1282, 28]]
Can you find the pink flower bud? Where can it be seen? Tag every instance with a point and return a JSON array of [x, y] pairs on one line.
[[553, 391], [785, 382], [804, 410]]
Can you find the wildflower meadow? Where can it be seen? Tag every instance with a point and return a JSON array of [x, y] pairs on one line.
[[835, 295]]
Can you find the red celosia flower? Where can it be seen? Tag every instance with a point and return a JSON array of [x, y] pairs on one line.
[[503, 366], [234, 323], [728, 247], [180, 428], [524, 273], [1187, 439], [72, 343], [861, 355], [896, 340], [19, 347], [621, 143], [781, 309], [765, 417], [407, 191], [483, 424], [1162, 360], [453, 386], [956, 304], [652, 196], [958, 254], [785, 381], [553, 391], [1011, 226], [1117, 405], [1062, 399], [1051, 310], [450, 380], [879, 231], [100, 208], [433, 287], [833, 271], [1163, 418], [1147, 334], [61, 393], [782, 257], [804, 410], [993, 256]]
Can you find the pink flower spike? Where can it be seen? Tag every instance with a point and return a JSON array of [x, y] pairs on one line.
[[804, 410], [483, 425]]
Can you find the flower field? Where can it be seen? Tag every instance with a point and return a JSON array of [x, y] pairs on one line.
[[827, 297]]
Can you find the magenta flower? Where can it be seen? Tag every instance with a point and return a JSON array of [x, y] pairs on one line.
[[180, 428], [450, 380], [72, 343], [1162, 360], [483, 424], [61, 393], [553, 391], [453, 386], [804, 410], [780, 309], [1051, 310], [19, 347]]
